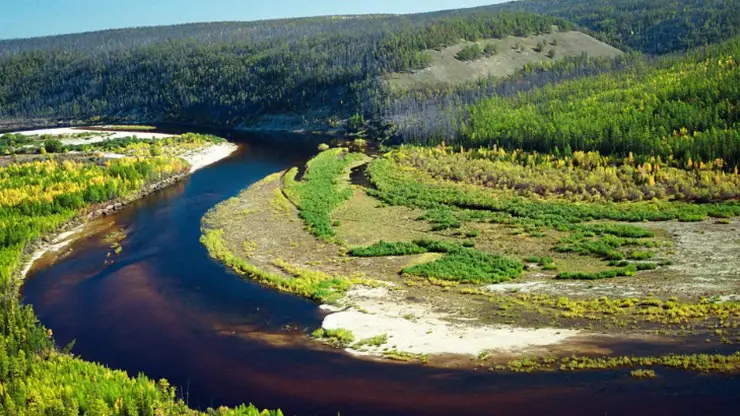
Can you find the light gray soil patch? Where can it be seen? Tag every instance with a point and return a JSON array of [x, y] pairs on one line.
[[513, 54]]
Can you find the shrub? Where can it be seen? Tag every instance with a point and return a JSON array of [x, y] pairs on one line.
[[356, 123], [642, 255], [53, 146], [318, 194], [358, 145], [383, 248], [469, 266], [470, 53], [630, 270], [642, 373], [339, 337]]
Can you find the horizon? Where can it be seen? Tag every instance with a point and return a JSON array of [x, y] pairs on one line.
[[50, 18]]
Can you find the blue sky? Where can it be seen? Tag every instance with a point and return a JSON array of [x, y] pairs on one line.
[[28, 18]]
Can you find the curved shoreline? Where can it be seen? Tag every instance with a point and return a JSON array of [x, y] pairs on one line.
[[69, 232]]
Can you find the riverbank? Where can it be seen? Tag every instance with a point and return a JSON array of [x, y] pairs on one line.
[[196, 158], [412, 321], [378, 307]]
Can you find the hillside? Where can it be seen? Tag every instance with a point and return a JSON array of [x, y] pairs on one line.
[[231, 74], [513, 53], [270, 74], [649, 26]]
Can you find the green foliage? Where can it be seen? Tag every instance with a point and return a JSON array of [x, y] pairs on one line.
[[383, 248], [704, 363], [398, 183], [579, 176], [53, 146], [356, 123], [234, 73], [469, 266], [651, 26], [490, 49], [309, 284], [459, 264], [646, 266], [641, 255], [642, 373], [376, 341], [675, 108], [630, 270], [470, 53], [339, 337], [35, 378], [320, 191], [541, 261], [604, 247]]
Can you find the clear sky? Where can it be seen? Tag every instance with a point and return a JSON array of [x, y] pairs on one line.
[[28, 18]]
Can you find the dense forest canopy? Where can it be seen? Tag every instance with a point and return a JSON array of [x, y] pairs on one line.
[[650, 26], [324, 70], [227, 73]]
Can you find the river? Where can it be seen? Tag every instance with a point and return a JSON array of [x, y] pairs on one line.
[[164, 308]]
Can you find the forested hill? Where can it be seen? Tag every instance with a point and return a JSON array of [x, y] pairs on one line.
[[650, 26], [228, 73], [320, 70]]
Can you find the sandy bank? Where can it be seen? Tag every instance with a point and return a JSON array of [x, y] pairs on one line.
[[103, 135], [198, 159], [415, 328], [201, 158], [59, 242]]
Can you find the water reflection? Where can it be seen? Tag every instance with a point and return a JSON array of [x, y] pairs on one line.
[[163, 307]]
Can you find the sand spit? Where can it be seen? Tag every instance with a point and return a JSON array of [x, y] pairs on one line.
[[57, 243], [103, 135], [201, 158], [416, 329]]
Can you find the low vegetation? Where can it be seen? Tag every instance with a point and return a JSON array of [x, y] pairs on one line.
[[577, 176], [476, 51], [306, 283], [376, 341], [614, 313], [319, 192], [694, 362], [459, 263], [339, 337]]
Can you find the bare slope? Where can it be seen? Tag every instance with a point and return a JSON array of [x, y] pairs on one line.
[[513, 54]]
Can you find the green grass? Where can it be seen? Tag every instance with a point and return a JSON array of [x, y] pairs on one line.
[[320, 192], [642, 255], [339, 337], [459, 264], [469, 266], [627, 271], [317, 286], [704, 363], [382, 249], [376, 341]]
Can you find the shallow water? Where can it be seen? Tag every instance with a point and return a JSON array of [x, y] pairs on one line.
[[164, 308]]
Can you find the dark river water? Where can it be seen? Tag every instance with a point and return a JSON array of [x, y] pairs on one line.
[[164, 308]]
